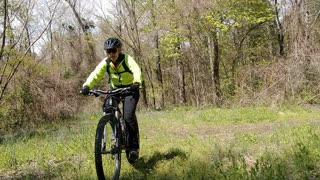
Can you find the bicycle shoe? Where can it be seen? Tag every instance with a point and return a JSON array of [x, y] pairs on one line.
[[133, 155]]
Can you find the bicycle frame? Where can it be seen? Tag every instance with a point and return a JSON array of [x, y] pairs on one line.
[[112, 118], [111, 105]]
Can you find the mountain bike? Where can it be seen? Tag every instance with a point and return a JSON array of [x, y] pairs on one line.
[[111, 134]]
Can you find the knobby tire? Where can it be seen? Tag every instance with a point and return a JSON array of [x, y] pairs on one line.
[[107, 165]]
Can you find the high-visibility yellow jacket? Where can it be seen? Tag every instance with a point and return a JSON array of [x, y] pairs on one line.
[[122, 75]]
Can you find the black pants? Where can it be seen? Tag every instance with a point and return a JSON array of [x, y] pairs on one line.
[[129, 115]]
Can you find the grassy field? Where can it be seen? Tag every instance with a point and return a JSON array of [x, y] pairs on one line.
[[181, 143]]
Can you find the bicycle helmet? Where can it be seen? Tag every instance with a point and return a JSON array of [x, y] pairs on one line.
[[112, 43]]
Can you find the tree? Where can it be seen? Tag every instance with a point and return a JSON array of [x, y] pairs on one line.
[[4, 30], [128, 18], [279, 28], [156, 41], [242, 19], [9, 72], [302, 39], [85, 26]]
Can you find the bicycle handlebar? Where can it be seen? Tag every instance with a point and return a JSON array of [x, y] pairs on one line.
[[98, 92]]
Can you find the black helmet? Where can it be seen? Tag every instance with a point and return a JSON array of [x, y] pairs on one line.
[[112, 43]]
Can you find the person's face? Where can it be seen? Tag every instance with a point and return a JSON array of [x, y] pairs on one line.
[[113, 53]]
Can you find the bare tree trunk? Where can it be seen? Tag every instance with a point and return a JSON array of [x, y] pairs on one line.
[[149, 73], [279, 30], [3, 43], [181, 81], [234, 62], [130, 22], [180, 72], [119, 8], [136, 40], [158, 58], [216, 69], [194, 83], [84, 28], [28, 39], [159, 72], [215, 63]]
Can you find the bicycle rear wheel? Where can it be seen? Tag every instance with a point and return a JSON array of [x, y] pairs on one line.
[[107, 150]]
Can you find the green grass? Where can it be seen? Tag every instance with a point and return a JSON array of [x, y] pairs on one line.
[[181, 143]]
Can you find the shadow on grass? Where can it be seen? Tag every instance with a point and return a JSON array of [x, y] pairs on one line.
[[146, 165]]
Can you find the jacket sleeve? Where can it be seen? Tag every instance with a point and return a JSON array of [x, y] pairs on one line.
[[97, 74], [135, 69]]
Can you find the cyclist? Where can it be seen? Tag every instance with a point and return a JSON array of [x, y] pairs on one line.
[[123, 71]]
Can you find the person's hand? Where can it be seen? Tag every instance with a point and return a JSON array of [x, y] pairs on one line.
[[135, 86], [85, 90]]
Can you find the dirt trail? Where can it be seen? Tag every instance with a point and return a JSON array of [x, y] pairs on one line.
[[229, 131]]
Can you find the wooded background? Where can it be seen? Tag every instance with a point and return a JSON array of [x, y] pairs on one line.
[[192, 52]]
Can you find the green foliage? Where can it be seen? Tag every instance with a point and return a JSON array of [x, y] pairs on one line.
[[250, 11], [227, 14], [170, 44], [211, 20]]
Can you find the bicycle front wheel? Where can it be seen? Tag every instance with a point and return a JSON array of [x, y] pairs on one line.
[[107, 149]]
